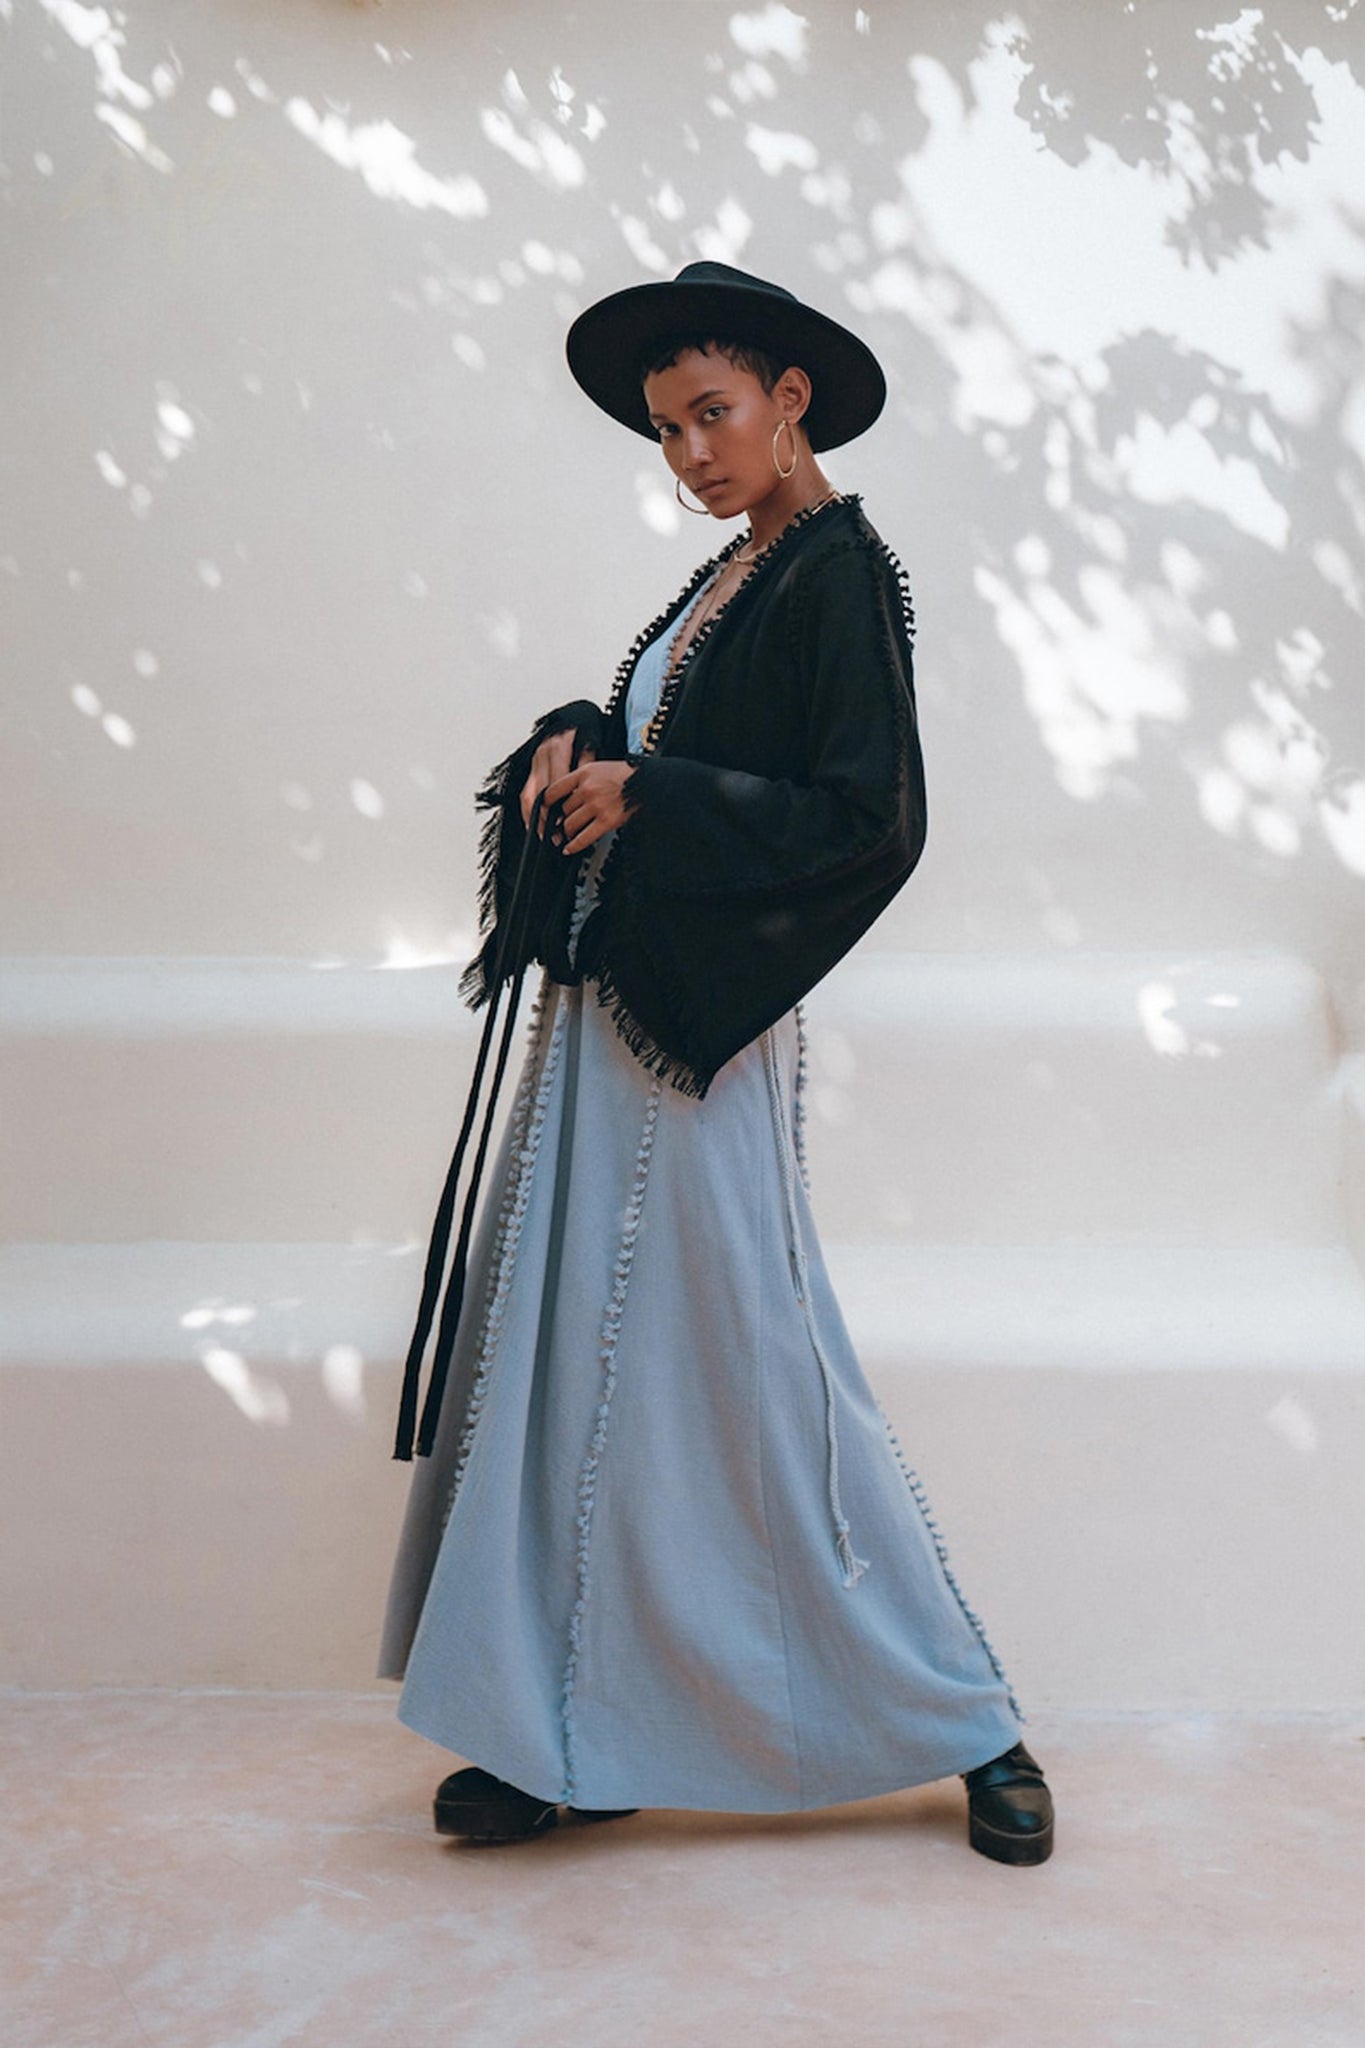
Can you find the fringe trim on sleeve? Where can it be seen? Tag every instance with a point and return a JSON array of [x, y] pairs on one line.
[[668, 1067], [501, 787]]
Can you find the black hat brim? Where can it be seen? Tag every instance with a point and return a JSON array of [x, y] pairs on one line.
[[607, 344]]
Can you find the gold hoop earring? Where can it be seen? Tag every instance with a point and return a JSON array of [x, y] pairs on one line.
[[796, 452], [700, 510]]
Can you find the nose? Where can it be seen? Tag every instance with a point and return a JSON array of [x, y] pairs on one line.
[[696, 452]]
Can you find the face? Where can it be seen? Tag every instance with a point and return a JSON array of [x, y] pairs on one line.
[[716, 424]]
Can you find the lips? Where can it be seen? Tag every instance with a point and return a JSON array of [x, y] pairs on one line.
[[709, 490]]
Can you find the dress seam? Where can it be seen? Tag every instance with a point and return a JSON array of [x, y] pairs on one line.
[[586, 1496], [917, 1494], [772, 1554], [851, 1565], [799, 1098]]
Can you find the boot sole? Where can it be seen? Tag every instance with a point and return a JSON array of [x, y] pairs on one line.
[[1003, 1847], [492, 1823]]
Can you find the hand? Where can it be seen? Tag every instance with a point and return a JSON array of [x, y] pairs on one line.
[[592, 802], [552, 759]]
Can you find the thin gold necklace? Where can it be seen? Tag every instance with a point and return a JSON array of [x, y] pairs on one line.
[[749, 559]]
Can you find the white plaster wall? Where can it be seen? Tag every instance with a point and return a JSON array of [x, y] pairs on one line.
[[304, 517], [304, 520]]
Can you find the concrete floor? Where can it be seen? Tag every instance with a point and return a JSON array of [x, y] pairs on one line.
[[226, 1870]]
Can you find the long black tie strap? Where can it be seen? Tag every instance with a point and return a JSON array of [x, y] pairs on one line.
[[513, 940], [454, 1298]]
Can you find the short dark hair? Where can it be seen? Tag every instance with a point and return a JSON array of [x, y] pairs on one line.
[[662, 354]]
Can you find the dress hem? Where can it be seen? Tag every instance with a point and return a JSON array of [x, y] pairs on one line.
[[678, 1799]]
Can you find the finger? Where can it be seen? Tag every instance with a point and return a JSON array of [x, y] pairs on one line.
[[589, 825], [589, 836], [551, 758], [549, 764], [563, 786], [537, 786], [575, 813], [577, 810]]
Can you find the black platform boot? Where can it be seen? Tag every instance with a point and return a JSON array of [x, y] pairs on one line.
[[1009, 1808], [484, 1809]]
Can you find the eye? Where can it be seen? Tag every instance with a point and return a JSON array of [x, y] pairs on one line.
[[665, 431], [714, 412]]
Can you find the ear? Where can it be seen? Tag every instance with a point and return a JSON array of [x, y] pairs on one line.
[[792, 393]]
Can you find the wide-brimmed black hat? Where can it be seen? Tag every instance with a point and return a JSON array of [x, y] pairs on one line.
[[608, 343]]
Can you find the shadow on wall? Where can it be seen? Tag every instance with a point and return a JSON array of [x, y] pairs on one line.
[[1103, 250]]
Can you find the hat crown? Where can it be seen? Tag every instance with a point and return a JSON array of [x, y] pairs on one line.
[[725, 274]]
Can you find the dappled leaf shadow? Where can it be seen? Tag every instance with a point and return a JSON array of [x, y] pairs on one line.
[[1158, 549]]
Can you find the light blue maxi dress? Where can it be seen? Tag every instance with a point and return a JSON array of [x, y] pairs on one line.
[[666, 1551]]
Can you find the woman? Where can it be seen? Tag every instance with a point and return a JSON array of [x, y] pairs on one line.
[[664, 1549]]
